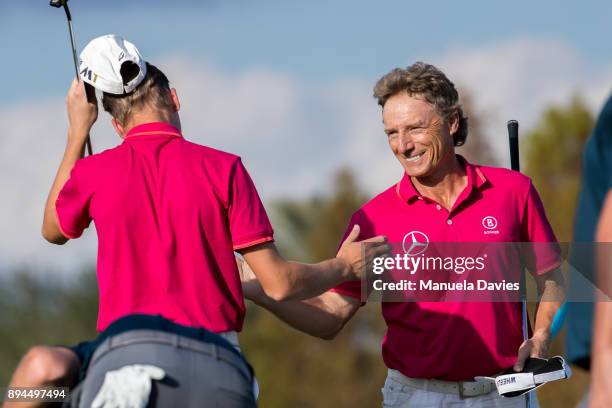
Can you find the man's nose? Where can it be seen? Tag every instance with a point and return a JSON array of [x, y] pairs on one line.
[[405, 142]]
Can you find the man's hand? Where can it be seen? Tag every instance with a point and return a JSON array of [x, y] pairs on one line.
[[82, 114], [536, 346], [359, 259]]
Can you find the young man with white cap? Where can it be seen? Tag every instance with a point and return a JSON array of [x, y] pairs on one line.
[[169, 215]]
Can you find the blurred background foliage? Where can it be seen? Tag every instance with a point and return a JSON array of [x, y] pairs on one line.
[[553, 158], [293, 369]]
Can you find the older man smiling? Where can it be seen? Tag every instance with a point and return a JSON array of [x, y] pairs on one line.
[[433, 350]]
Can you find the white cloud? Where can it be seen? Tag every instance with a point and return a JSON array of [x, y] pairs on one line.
[[519, 78], [291, 135], [31, 146]]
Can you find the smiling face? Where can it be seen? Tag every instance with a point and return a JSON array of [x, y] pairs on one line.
[[419, 137]]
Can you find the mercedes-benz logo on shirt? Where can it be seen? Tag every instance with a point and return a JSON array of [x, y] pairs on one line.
[[415, 243]]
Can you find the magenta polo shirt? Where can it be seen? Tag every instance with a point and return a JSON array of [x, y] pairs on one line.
[[456, 341], [169, 214]]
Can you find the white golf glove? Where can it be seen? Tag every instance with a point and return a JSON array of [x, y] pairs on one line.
[[128, 387]]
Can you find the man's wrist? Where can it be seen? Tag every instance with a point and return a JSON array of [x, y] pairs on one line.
[[346, 270], [541, 340], [78, 133], [542, 334]]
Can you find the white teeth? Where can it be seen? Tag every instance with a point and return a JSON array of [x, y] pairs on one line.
[[415, 158]]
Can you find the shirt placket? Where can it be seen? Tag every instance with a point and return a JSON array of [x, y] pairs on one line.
[[443, 215]]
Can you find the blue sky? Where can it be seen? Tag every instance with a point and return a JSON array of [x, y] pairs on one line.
[[286, 85], [313, 40]]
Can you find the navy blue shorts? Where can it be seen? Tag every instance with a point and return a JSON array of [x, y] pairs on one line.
[[86, 349]]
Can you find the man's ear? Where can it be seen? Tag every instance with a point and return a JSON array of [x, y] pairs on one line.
[[453, 123], [176, 103], [118, 128]]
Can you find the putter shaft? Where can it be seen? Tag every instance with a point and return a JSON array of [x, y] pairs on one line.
[[76, 63]]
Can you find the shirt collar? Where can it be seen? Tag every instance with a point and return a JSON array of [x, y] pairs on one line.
[[153, 129], [408, 193]]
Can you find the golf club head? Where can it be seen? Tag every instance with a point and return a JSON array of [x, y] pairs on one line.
[[58, 3]]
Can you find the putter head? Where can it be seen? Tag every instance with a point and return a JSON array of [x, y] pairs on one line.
[[58, 3]]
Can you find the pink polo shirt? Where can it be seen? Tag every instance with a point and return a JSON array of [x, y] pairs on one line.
[[456, 341], [169, 214]]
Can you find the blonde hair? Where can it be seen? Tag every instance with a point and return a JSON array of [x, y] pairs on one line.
[[154, 91]]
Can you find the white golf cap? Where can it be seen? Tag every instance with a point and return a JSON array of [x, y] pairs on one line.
[[112, 64]]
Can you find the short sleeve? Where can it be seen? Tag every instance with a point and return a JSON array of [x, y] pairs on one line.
[[544, 253], [248, 220], [74, 202], [351, 288]]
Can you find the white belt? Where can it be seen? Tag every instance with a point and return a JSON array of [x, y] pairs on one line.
[[232, 337], [465, 389]]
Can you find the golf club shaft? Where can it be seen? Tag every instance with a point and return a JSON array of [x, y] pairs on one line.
[[76, 64], [515, 165]]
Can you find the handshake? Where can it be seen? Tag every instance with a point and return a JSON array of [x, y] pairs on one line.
[[353, 262]]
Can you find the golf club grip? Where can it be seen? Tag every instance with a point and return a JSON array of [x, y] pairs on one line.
[[514, 146], [90, 92]]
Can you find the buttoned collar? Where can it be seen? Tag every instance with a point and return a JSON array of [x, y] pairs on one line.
[[476, 179]]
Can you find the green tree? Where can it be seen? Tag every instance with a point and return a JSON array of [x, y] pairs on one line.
[[34, 312], [553, 158], [315, 226]]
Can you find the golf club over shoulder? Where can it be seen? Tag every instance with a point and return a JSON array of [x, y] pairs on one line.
[[284, 280]]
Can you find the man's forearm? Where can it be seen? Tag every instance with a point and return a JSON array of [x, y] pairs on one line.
[[544, 317], [75, 148], [305, 281], [322, 316], [552, 290], [284, 280]]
